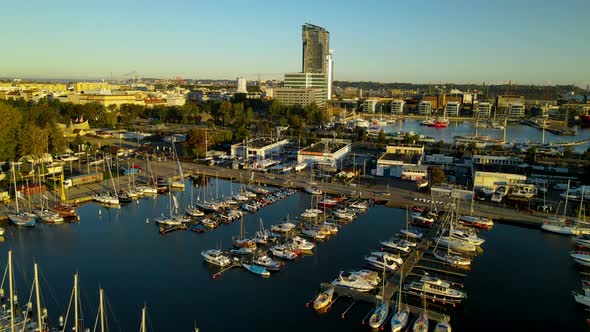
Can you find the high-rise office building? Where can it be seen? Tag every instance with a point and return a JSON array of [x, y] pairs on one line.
[[316, 48], [242, 85]]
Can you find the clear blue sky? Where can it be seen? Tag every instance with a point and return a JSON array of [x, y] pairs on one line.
[[391, 41]]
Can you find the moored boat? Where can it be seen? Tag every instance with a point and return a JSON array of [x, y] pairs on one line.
[[216, 257], [323, 299], [256, 269]]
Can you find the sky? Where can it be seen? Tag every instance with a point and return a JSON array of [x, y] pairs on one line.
[[420, 41]]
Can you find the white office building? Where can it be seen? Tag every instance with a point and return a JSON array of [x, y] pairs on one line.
[[484, 109], [516, 110], [452, 109], [330, 74], [370, 105], [397, 107], [242, 85], [307, 81], [425, 108]]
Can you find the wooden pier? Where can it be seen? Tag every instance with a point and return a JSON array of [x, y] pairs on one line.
[[392, 286]]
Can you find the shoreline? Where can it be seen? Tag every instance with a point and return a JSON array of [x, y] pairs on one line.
[[396, 197]]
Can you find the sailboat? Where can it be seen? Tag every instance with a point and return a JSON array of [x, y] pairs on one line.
[[20, 218], [192, 210], [173, 219], [143, 326], [242, 242], [410, 232], [381, 311], [421, 323], [61, 207], [400, 319], [108, 198], [75, 297], [449, 256], [152, 184], [46, 215], [444, 325], [179, 184], [560, 225]]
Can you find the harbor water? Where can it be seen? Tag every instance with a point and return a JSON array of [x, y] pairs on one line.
[[522, 281], [515, 133]]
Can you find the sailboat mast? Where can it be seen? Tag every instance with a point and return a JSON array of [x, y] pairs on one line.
[[11, 290], [567, 195], [76, 319], [581, 206], [15, 189], [142, 328], [38, 299], [101, 309]]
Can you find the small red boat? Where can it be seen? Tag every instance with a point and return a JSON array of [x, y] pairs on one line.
[[329, 203]]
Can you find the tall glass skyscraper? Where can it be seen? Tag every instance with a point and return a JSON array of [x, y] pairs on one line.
[[316, 48]]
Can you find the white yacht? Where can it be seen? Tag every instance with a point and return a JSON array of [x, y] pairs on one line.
[[216, 257], [400, 245], [436, 287], [581, 257], [456, 244], [382, 262], [583, 298], [353, 282]]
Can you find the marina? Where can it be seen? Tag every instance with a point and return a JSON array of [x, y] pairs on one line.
[[138, 254]]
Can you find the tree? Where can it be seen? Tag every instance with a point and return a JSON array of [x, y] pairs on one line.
[[9, 127], [437, 175]]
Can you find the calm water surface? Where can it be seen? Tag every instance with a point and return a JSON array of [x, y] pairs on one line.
[[523, 280]]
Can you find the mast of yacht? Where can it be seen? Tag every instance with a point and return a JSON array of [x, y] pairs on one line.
[[38, 299], [15, 189], [505, 128], [581, 207], [11, 290], [567, 195], [76, 314], [101, 309], [142, 327], [543, 127]]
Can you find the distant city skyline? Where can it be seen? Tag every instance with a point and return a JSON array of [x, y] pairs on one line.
[[526, 42]]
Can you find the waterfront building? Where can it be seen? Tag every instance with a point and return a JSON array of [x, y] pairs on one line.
[[425, 108], [242, 85], [370, 105], [259, 148], [452, 109], [439, 159], [397, 106], [494, 179], [299, 96], [516, 110], [327, 154], [403, 162], [484, 109], [503, 101]]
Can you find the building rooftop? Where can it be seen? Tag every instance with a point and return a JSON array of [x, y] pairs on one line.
[[405, 158], [260, 142], [324, 147]]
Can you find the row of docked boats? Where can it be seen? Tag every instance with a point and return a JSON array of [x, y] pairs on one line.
[[266, 251]]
